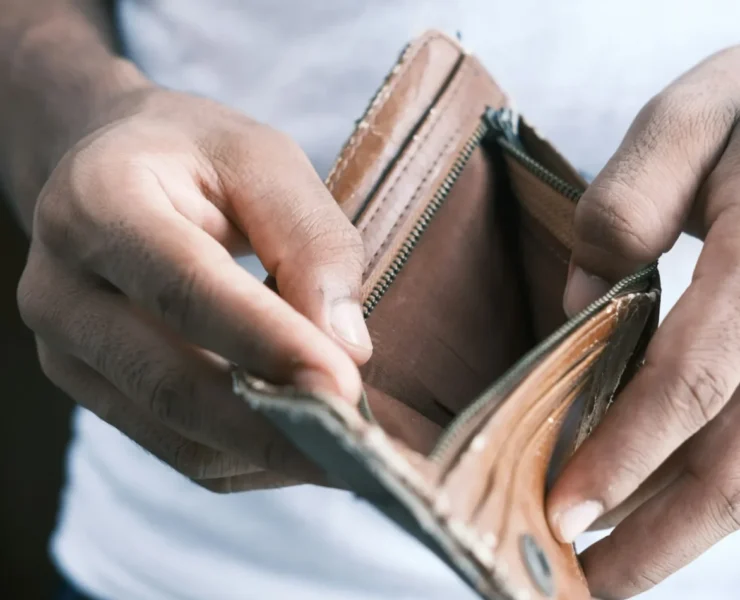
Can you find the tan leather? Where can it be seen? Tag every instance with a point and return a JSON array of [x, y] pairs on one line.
[[393, 114], [451, 342], [466, 260]]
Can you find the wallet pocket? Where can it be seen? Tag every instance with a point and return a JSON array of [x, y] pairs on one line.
[[546, 190], [466, 215]]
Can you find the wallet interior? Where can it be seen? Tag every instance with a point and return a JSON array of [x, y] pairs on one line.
[[466, 214], [482, 286]]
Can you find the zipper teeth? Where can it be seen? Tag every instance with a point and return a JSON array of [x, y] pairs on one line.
[[398, 262], [548, 177], [505, 124], [446, 441]]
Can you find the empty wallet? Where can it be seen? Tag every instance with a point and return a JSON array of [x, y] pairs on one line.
[[479, 386]]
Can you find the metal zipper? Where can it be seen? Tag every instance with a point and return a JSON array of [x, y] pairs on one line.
[[504, 126], [394, 268], [633, 283]]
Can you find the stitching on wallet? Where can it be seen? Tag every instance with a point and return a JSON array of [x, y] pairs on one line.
[[409, 161], [409, 158], [363, 126], [404, 212]]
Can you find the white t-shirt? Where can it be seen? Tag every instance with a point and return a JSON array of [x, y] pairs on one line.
[[132, 528]]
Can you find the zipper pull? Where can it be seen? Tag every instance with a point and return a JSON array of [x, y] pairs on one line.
[[503, 123]]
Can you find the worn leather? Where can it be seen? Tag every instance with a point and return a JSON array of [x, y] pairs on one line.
[[465, 318]]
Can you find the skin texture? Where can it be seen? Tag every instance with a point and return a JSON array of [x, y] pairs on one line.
[[137, 198], [664, 465]]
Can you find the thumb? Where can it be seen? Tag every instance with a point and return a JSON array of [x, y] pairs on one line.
[[636, 207], [300, 234]]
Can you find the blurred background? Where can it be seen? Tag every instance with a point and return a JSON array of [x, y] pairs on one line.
[[34, 429]]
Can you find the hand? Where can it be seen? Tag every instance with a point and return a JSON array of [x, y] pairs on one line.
[[139, 307], [664, 465]]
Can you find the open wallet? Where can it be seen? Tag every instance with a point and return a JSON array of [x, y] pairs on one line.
[[466, 216]]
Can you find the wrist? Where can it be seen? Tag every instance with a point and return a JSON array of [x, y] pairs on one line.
[[112, 90], [52, 106]]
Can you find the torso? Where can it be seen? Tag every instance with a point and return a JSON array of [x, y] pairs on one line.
[[132, 528]]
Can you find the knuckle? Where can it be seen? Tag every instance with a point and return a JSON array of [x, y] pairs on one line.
[[65, 208], [170, 395], [695, 394], [173, 299], [686, 111], [329, 238], [729, 508], [628, 470], [250, 144], [640, 578], [325, 250], [40, 297], [722, 498], [272, 140], [28, 298], [616, 218], [51, 225], [622, 579]]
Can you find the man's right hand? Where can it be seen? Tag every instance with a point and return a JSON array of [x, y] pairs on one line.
[[139, 306]]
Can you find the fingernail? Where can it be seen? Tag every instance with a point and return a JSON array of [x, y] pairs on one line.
[[582, 289], [574, 521], [349, 324]]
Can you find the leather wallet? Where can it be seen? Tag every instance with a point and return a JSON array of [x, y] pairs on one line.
[[479, 385]]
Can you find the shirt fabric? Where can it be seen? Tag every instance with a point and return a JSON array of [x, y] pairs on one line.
[[132, 528]]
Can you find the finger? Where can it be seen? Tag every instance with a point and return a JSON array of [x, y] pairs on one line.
[[700, 508], [188, 200], [171, 267], [659, 480], [186, 390], [689, 374], [298, 231], [193, 459], [261, 480], [636, 207]]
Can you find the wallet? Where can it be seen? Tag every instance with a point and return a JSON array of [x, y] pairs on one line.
[[479, 386]]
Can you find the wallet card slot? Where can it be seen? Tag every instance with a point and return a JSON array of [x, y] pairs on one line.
[[455, 319], [548, 196], [545, 271], [545, 204], [547, 190], [467, 310], [395, 266]]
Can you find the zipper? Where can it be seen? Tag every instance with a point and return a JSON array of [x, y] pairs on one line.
[[500, 126], [503, 126], [633, 283], [402, 256]]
